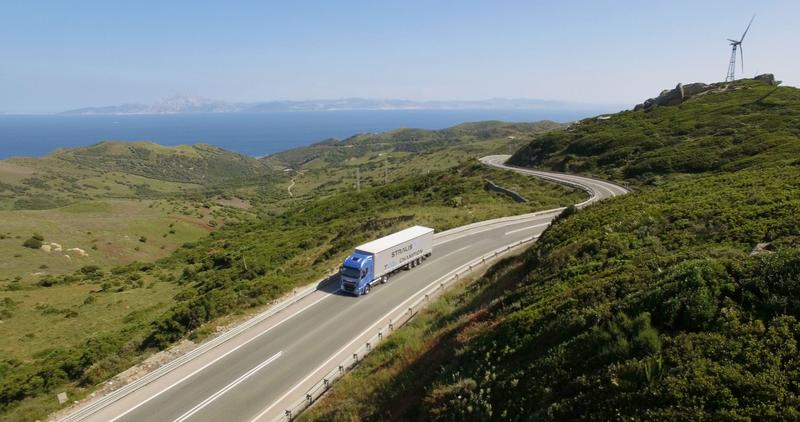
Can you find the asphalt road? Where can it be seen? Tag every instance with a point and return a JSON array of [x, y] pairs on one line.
[[259, 372]]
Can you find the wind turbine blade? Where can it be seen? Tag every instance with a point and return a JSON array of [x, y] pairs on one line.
[[748, 28], [733, 41], [741, 51]]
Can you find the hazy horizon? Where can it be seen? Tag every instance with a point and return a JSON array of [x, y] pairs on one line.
[[70, 56]]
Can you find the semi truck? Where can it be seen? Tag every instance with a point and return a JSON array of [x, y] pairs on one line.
[[374, 262]]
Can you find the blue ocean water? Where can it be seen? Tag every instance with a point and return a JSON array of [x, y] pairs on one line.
[[252, 134]]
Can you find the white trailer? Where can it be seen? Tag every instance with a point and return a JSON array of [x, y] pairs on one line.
[[375, 261]]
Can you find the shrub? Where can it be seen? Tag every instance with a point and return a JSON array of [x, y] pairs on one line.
[[32, 243]]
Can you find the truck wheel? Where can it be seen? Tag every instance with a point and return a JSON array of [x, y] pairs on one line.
[[366, 289], [384, 279]]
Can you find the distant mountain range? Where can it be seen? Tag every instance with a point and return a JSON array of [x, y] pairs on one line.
[[192, 104]]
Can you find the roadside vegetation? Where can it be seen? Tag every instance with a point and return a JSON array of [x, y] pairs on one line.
[[72, 328], [679, 301]]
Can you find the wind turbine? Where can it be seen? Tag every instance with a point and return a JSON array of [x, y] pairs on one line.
[[737, 44]]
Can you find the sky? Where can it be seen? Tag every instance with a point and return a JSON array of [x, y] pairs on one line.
[[59, 55]]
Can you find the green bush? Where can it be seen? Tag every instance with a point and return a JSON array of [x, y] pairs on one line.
[[32, 243]]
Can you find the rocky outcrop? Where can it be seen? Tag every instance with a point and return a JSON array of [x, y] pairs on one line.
[[762, 248], [679, 94], [768, 78], [673, 97]]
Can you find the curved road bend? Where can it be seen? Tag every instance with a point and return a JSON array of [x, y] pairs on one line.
[[258, 373]]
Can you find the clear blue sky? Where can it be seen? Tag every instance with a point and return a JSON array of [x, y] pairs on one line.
[[58, 55]]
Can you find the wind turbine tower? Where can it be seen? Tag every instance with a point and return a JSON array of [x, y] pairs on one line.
[[737, 45]]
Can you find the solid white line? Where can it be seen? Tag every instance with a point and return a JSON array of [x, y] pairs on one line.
[[499, 225], [526, 228], [345, 347], [227, 388], [216, 360]]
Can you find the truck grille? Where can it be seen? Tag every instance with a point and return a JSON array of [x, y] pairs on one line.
[[349, 287]]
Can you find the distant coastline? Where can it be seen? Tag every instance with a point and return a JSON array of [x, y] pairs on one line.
[[195, 105], [254, 134]]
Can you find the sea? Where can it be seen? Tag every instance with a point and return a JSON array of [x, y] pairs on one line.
[[256, 134]]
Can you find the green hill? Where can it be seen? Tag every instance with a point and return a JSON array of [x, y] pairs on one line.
[[408, 141], [127, 170], [330, 166], [200, 163], [679, 301]]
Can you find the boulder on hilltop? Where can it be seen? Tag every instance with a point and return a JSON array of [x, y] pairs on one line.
[[679, 94]]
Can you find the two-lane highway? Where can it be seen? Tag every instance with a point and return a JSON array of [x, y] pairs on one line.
[[259, 372]]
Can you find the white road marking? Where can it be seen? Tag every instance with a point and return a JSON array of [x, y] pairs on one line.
[[467, 233], [345, 347], [455, 251], [227, 388], [196, 371], [526, 228], [495, 162]]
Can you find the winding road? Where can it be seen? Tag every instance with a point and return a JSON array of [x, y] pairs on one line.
[[267, 364]]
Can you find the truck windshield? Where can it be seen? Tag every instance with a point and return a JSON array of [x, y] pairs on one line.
[[351, 272]]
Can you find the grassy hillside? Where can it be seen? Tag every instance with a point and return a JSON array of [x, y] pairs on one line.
[[679, 301], [102, 199], [201, 164], [125, 170], [331, 166], [130, 311]]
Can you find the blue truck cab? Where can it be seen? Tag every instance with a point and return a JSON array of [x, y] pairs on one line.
[[357, 273]]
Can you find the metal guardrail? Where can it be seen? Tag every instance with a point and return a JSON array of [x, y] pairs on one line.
[[89, 408], [323, 385], [395, 322]]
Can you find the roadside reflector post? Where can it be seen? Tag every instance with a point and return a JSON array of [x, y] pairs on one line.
[[369, 346], [427, 298], [391, 327], [308, 397], [355, 357], [325, 382], [410, 310], [288, 414], [341, 369], [380, 335]]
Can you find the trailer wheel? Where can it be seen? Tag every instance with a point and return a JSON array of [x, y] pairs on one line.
[[384, 279]]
